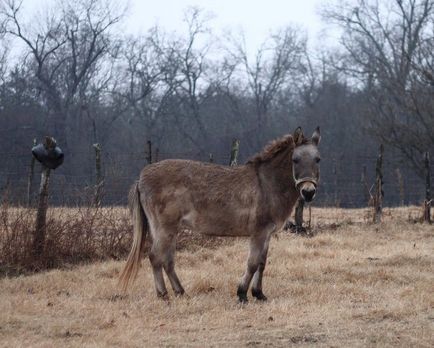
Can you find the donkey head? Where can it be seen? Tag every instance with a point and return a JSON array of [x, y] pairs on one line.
[[305, 163]]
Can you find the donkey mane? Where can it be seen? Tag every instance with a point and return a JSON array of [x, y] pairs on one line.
[[273, 148]]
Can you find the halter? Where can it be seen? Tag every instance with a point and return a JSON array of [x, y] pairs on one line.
[[306, 179]]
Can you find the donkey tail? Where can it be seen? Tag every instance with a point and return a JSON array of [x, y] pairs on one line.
[[140, 226]]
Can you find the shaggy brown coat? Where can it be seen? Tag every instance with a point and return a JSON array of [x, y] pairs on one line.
[[253, 200]]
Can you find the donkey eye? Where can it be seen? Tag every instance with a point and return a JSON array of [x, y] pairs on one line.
[[317, 159], [296, 160]]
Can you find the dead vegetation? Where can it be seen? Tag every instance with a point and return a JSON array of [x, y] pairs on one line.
[[74, 235], [351, 284]]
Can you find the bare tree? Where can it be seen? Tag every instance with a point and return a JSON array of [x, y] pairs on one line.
[[64, 49], [389, 49], [190, 56], [274, 64], [143, 90], [3, 61]]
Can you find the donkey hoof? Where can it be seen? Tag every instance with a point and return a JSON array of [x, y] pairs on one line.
[[242, 296], [180, 293], [259, 295], [243, 300], [163, 295]]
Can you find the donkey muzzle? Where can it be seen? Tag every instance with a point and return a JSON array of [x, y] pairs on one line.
[[308, 193], [307, 188]]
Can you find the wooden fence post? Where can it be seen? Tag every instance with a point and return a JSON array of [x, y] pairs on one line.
[[157, 154], [30, 178], [365, 187], [234, 152], [211, 158], [41, 215], [149, 157], [378, 195], [335, 182], [5, 192], [99, 177], [299, 215], [428, 200], [401, 187]]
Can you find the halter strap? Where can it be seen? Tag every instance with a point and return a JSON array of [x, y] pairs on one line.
[[307, 179]]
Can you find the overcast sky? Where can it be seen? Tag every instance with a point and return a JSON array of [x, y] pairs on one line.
[[255, 17]]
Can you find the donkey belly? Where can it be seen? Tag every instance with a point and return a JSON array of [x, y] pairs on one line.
[[220, 222]]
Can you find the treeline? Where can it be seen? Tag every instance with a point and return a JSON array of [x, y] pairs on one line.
[[74, 75]]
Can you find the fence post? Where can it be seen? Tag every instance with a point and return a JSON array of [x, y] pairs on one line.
[[5, 192], [157, 154], [365, 187], [378, 195], [149, 157], [299, 215], [401, 187], [428, 200], [234, 152], [30, 177], [211, 158], [41, 215], [99, 178], [335, 182]]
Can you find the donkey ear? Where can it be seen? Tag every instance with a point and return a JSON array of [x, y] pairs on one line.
[[316, 136], [290, 141], [298, 136]]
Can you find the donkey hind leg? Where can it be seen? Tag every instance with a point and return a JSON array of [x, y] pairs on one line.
[[257, 255], [257, 278], [157, 269], [162, 256], [169, 268]]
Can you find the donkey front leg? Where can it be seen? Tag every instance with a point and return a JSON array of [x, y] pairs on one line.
[[256, 260], [257, 278]]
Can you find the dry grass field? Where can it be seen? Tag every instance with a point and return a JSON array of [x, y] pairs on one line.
[[350, 284]]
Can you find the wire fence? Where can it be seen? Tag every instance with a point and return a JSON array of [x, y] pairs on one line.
[[345, 182]]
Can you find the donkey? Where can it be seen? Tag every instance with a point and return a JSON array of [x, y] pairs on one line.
[[252, 200]]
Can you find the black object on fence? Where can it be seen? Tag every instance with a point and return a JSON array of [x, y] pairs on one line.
[[48, 153]]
